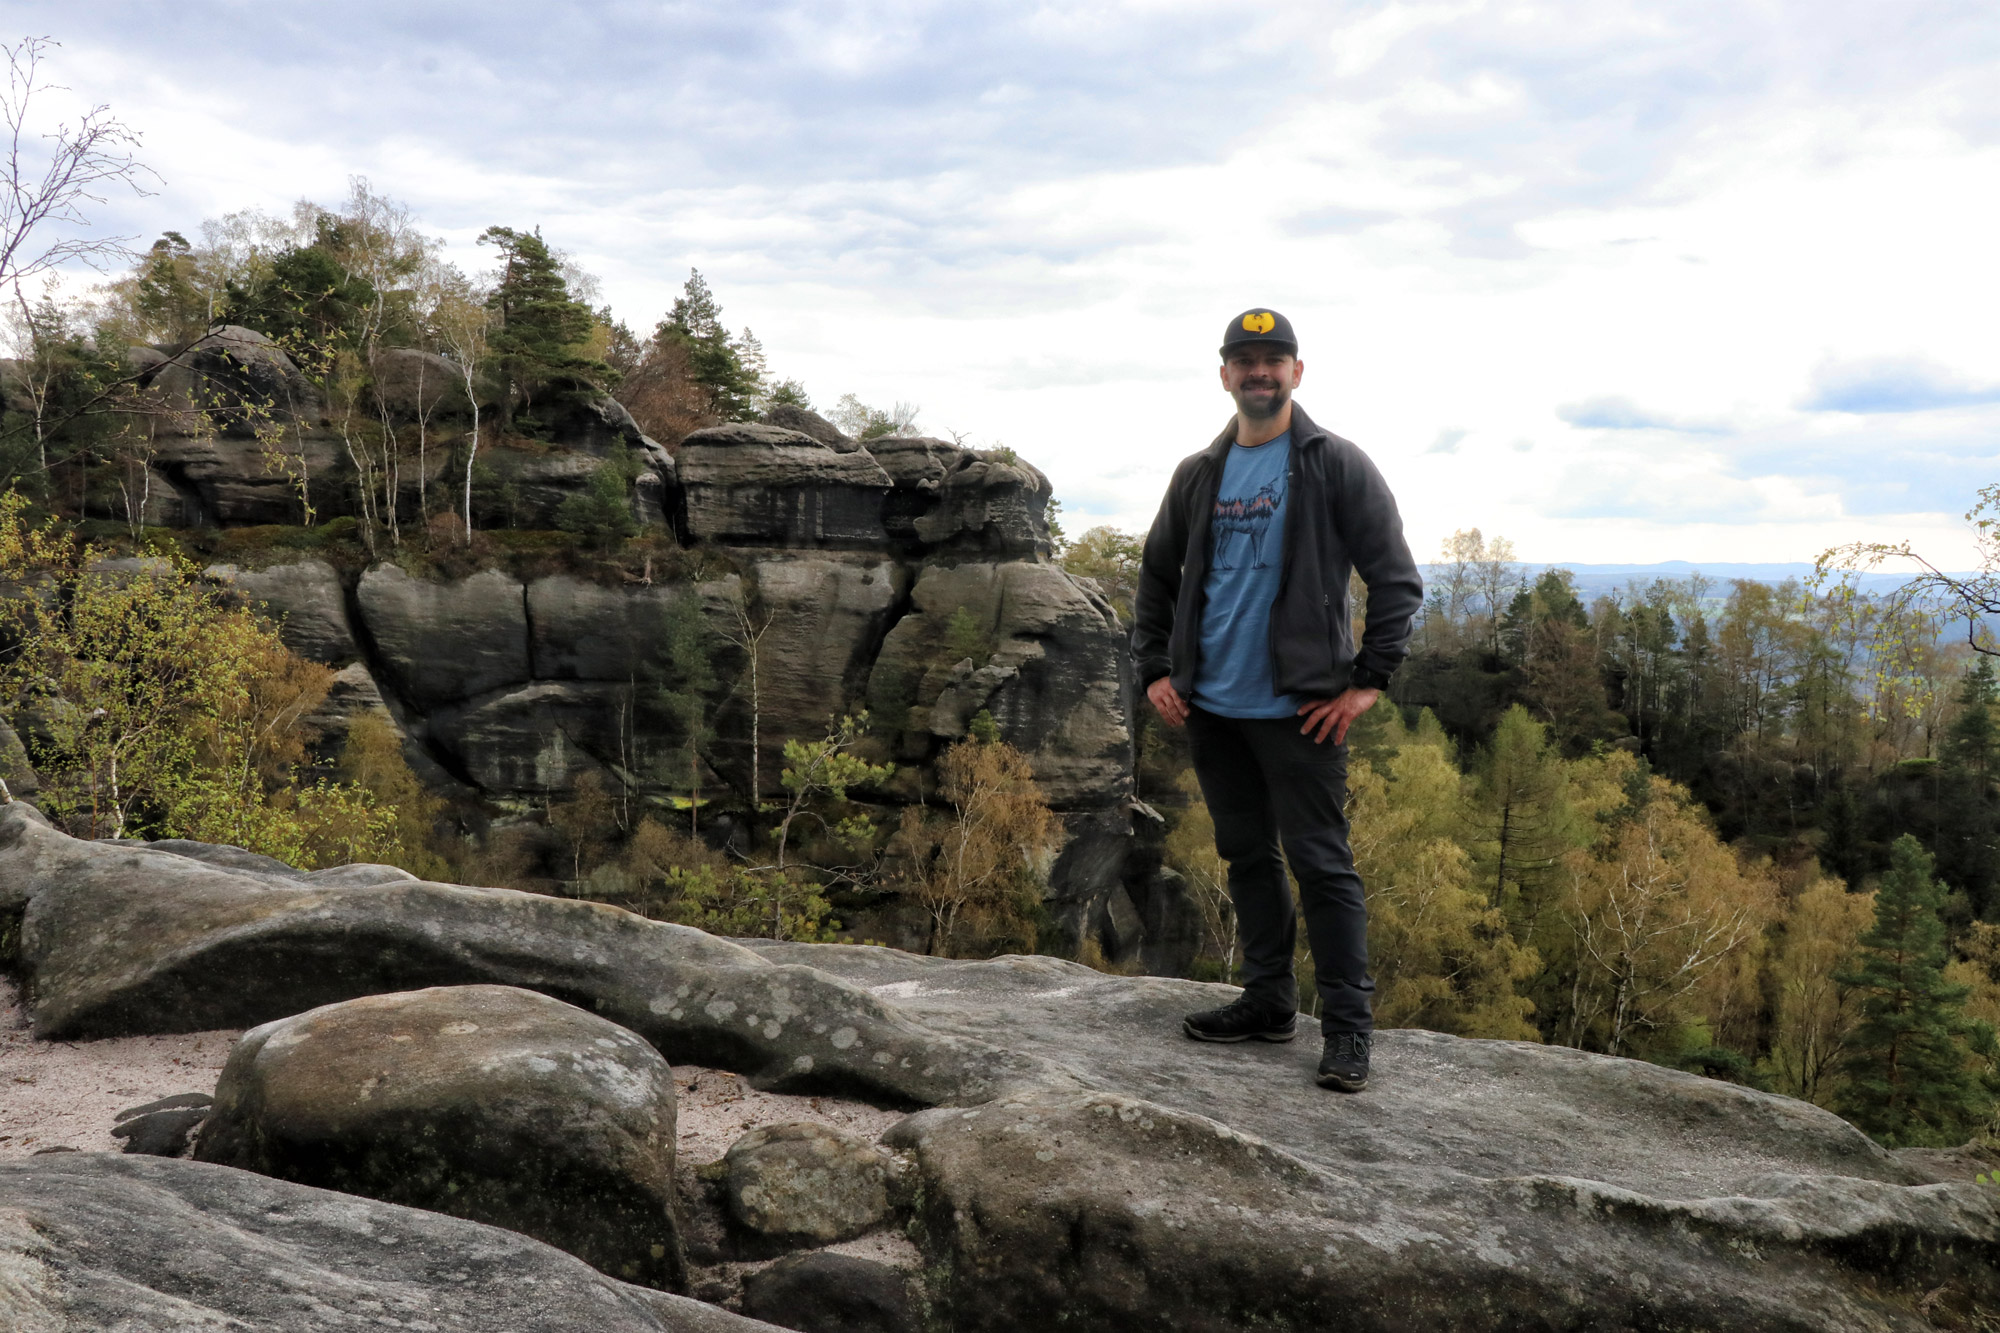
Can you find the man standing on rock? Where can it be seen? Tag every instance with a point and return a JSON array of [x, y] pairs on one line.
[[1243, 633]]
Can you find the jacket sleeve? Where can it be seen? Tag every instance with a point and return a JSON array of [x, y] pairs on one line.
[[1159, 585], [1372, 528]]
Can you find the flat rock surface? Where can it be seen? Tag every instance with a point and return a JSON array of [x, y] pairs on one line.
[[1482, 1108], [93, 1241]]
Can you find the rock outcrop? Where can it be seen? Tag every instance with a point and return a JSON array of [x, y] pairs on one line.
[[490, 1103], [1080, 1164], [118, 939], [104, 1241], [806, 1183]]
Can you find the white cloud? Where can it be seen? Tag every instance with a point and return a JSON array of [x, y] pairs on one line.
[[1609, 229]]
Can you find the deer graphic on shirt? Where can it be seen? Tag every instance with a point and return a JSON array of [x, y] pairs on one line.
[[1251, 518]]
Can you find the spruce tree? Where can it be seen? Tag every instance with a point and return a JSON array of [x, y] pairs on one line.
[[1910, 1077]]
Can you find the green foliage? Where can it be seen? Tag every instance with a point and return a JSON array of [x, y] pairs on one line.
[[983, 728], [601, 513], [789, 393], [1112, 559], [1911, 1074], [965, 635], [818, 772], [152, 706], [542, 330], [728, 371]]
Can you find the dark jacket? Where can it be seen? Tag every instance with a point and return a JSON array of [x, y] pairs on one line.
[[1339, 516]]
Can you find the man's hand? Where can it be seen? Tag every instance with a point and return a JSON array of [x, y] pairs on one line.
[[1334, 715], [1167, 702]]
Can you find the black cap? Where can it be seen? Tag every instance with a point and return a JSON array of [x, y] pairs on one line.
[[1258, 325]]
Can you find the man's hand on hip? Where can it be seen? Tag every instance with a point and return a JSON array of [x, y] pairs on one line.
[[1334, 715], [1167, 702]]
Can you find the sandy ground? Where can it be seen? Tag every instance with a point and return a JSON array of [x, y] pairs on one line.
[[68, 1094]]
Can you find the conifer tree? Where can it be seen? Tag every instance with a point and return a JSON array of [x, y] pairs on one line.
[[1973, 739], [1910, 1077], [540, 329], [729, 371]]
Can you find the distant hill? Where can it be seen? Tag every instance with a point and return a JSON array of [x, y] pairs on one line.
[[1597, 580]]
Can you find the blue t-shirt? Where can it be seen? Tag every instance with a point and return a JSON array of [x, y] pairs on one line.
[[1245, 559]]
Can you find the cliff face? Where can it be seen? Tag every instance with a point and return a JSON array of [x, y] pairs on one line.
[[907, 576]]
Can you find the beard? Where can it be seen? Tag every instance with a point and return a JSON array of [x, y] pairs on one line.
[[1261, 402]]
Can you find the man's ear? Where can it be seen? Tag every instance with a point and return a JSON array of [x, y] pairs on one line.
[[1298, 371]]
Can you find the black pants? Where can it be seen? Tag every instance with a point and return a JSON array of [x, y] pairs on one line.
[[1268, 788]]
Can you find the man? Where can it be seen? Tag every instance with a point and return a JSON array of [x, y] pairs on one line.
[[1243, 636]]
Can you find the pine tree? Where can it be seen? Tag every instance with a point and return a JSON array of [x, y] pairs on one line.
[[729, 372], [1910, 1079], [600, 513], [541, 329]]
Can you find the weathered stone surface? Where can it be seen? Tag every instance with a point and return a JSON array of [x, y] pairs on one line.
[[446, 642], [1477, 1184], [827, 617], [530, 483], [823, 1292], [137, 1244], [540, 738], [125, 939], [790, 416], [490, 1103], [585, 631], [15, 770], [807, 1183], [765, 486], [307, 600], [241, 380], [1053, 668], [164, 1127], [949, 498], [1095, 1170], [413, 383]]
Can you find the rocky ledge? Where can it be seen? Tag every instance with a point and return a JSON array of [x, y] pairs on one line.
[[1071, 1161]]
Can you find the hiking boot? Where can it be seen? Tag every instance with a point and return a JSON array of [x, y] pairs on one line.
[[1344, 1067], [1241, 1021]]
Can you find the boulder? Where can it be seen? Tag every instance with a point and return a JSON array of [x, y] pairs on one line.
[[1048, 660], [413, 383], [489, 1103], [165, 1127], [124, 939], [307, 600], [825, 1292], [806, 1183], [445, 642], [241, 381], [790, 416], [530, 483], [103, 1241], [758, 485], [15, 770]]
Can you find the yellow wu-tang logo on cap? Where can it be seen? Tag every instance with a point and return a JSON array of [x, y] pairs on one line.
[[1262, 321]]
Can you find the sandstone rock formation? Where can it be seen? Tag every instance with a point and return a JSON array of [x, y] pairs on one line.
[[117, 939], [1083, 1166], [486, 1102], [806, 1183], [103, 1241], [822, 1292]]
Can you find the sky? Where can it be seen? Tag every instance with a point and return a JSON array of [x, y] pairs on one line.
[[1620, 282]]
